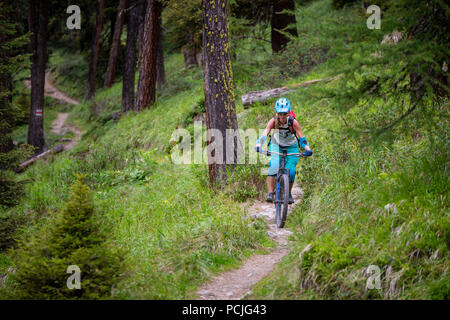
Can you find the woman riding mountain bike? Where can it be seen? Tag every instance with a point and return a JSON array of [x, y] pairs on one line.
[[288, 137]]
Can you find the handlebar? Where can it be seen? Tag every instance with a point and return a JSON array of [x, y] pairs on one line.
[[268, 153]]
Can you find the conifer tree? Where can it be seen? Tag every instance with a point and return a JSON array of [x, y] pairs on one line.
[[70, 238], [10, 60]]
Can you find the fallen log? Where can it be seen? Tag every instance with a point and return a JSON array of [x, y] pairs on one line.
[[255, 96], [25, 164]]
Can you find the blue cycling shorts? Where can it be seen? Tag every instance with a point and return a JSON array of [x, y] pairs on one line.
[[291, 161]]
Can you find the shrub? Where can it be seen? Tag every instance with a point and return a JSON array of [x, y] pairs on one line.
[[22, 109], [9, 223], [10, 157], [71, 237]]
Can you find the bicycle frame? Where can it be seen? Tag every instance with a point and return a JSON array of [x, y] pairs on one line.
[[282, 192], [281, 170]]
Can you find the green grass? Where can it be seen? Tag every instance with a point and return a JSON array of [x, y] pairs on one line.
[[347, 183]]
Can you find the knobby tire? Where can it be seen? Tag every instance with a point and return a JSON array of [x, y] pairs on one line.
[[282, 200]]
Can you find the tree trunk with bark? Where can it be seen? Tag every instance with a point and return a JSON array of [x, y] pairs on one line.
[[110, 71], [130, 56], [147, 69], [38, 40], [219, 92], [143, 4], [90, 91], [160, 72], [280, 21]]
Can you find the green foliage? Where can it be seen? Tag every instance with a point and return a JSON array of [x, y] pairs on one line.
[[198, 110], [184, 24], [22, 105], [10, 61], [71, 237], [10, 222], [440, 289], [388, 83]]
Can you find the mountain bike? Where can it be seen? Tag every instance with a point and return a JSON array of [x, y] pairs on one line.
[[282, 186]]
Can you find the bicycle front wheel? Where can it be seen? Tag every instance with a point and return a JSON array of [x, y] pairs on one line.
[[282, 200]]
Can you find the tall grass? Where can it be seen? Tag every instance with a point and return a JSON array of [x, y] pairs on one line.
[[369, 200]]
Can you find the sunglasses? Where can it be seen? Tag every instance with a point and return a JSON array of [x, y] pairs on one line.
[[283, 114]]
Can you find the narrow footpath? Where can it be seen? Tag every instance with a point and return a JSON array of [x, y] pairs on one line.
[[59, 125], [236, 284]]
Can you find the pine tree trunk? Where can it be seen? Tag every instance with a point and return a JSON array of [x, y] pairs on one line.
[[38, 41], [110, 72], [90, 91], [219, 91], [143, 6], [147, 68], [160, 72], [130, 57], [280, 21]]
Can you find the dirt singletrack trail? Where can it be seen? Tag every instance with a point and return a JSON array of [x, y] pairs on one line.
[[59, 125], [51, 91], [236, 284]]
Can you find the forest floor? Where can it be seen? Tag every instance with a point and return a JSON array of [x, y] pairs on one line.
[[59, 126], [237, 283]]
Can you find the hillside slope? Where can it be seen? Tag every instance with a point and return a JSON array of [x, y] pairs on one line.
[[378, 199]]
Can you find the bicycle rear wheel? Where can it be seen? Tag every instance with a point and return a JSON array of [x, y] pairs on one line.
[[282, 200]]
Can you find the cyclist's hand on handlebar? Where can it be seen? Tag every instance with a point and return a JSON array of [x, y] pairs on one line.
[[258, 147], [307, 153]]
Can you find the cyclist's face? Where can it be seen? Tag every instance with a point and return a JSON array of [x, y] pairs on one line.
[[283, 117]]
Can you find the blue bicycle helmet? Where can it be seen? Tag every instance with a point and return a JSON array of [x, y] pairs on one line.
[[282, 106]]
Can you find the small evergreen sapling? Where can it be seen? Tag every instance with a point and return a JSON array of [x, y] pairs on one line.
[[72, 238]]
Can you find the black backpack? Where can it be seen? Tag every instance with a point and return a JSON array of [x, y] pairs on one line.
[[290, 127]]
